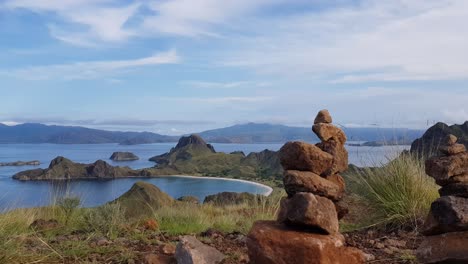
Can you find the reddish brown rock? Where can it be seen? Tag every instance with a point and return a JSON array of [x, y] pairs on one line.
[[328, 131], [453, 149], [272, 243], [338, 180], [443, 168], [306, 210], [191, 251], [455, 189], [341, 209], [446, 248], [304, 181], [323, 117], [447, 214], [304, 157], [339, 153]]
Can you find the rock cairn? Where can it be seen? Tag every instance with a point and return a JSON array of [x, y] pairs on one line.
[[446, 227], [307, 229]]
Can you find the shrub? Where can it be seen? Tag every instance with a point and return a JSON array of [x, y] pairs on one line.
[[106, 220], [400, 192]]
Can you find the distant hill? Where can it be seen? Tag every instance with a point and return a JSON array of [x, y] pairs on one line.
[[245, 133], [39, 133], [268, 133], [193, 156]]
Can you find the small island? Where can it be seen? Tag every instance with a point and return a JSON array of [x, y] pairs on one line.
[[21, 163], [123, 156]]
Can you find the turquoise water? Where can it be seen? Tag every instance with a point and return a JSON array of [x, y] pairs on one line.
[[15, 194]]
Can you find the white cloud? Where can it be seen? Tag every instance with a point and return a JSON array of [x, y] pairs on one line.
[[375, 41], [199, 17], [84, 22], [90, 69]]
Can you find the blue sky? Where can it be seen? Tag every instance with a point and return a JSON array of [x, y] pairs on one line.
[[181, 66]]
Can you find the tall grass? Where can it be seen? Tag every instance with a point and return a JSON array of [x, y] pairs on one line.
[[185, 218], [399, 192]]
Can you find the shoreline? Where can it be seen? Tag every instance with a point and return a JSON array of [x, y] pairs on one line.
[[268, 188]]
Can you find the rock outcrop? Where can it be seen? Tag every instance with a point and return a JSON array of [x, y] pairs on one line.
[[186, 148], [307, 229], [21, 163], [123, 156], [446, 227], [433, 139]]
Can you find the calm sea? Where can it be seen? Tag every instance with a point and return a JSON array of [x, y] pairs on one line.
[[15, 194]]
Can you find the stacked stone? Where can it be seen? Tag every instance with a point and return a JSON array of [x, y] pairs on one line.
[[307, 229], [446, 227]]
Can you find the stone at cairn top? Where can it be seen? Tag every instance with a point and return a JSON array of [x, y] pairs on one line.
[[323, 117]]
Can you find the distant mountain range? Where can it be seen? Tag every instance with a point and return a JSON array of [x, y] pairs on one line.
[[268, 133], [39, 133], [245, 133]]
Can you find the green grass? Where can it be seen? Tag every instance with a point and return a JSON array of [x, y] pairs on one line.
[[185, 218], [400, 193]]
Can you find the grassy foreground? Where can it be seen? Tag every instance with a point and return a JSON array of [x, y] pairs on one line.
[[79, 232]]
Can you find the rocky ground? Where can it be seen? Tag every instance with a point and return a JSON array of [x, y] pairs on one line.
[[147, 246]]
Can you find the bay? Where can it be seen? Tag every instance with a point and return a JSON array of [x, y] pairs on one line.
[[14, 194]]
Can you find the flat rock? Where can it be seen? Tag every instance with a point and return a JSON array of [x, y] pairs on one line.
[[305, 157], [328, 131], [443, 168], [123, 156], [453, 149], [270, 242], [447, 214], [21, 163], [191, 251], [449, 248], [455, 189], [306, 210], [323, 117], [339, 153], [304, 181]]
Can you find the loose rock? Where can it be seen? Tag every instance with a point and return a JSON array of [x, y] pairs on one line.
[[304, 181], [446, 248], [272, 243], [304, 157], [323, 117], [455, 189], [328, 131], [308, 210], [191, 251], [448, 214]]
